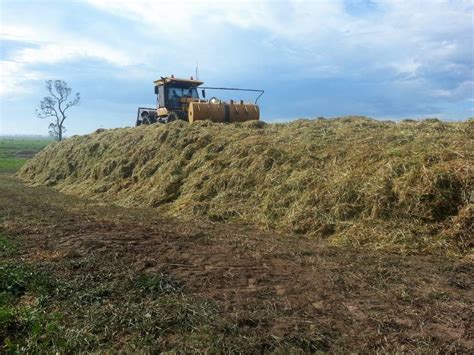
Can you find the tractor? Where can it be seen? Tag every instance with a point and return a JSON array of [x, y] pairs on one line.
[[178, 99]]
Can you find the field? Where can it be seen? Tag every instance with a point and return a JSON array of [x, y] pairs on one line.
[[100, 271], [15, 151]]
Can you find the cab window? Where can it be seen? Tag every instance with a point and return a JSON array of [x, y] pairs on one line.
[[174, 94]]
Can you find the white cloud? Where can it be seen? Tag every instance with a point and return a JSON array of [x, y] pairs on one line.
[[407, 67], [48, 46], [13, 76], [402, 35], [50, 53], [287, 19], [17, 33], [464, 90]]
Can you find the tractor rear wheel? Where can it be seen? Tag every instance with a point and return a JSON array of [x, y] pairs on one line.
[[172, 117]]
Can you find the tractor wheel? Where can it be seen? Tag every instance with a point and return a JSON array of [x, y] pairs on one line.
[[145, 117], [172, 117]]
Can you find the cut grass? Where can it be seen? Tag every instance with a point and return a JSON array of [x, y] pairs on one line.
[[159, 284], [354, 181]]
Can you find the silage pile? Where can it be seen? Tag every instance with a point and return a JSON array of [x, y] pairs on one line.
[[353, 181]]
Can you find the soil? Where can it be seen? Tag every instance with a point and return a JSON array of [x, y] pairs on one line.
[[270, 285]]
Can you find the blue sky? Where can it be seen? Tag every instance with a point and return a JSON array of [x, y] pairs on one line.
[[380, 58]]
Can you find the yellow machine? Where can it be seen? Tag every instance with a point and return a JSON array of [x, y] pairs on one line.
[[178, 99]]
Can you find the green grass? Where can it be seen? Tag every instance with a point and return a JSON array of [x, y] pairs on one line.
[[44, 310], [9, 146], [14, 152], [25, 290], [158, 284], [7, 247], [10, 165], [93, 304]]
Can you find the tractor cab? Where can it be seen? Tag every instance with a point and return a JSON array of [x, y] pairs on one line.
[[171, 90], [173, 98]]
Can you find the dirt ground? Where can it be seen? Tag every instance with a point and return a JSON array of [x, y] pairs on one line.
[[270, 291]]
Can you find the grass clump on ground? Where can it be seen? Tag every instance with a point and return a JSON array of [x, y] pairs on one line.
[[354, 181]]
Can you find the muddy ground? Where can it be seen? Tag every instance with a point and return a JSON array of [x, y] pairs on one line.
[[128, 279]]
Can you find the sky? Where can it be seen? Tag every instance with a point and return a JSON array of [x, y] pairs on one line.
[[385, 59]]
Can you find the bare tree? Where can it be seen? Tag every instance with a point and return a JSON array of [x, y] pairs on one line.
[[56, 105]]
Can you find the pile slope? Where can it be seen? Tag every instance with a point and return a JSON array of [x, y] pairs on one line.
[[354, 181]]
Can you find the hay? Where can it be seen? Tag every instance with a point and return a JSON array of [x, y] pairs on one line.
[[353, 180]]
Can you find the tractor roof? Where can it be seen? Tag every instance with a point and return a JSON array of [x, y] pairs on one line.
[[178, 82]]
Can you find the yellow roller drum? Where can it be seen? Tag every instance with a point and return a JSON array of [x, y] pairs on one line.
[[240, 112], [223, 112]]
